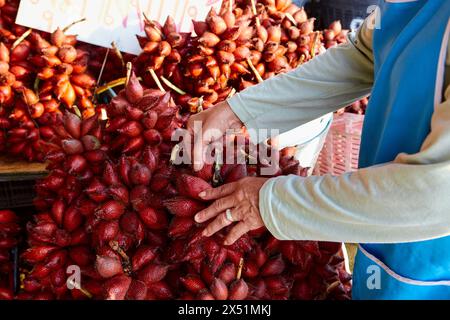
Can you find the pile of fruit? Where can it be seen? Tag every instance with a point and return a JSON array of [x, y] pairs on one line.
[[247, 41], [124, 214], [40, 76], [113, 204], [243, 44]]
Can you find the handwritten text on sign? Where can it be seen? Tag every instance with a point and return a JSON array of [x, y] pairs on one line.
[[110, 20]]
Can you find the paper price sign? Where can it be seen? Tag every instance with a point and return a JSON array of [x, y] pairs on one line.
[[110, 20]]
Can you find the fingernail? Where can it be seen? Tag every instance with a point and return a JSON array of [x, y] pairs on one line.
[[202, 194], [197, 218], [204, 233], [226, 243]]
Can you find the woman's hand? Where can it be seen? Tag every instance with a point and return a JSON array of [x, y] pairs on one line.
[[214, 124], [241, 200]]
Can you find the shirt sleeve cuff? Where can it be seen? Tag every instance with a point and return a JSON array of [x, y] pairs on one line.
[[238, 106], [268, 204]]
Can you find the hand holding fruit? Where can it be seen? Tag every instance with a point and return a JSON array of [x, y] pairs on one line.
[[234, 202]]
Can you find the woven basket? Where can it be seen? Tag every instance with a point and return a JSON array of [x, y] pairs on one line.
[[340, 152]]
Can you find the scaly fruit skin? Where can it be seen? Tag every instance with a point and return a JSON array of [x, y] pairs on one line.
[[152, 273], [192, 283], [219, 289], [137, 291], [117, 287], [238, 290], [108, 267], [180, 226], [143, 256], [183, 207], [60, 236], [191, 186], [33, 108], [110, 210]]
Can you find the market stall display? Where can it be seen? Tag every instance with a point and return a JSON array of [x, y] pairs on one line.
[[128, 219], [113, 203]]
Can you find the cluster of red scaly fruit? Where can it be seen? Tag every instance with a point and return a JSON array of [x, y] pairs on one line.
[[58, 236], [44, 74], [62, 71], [124, 214], [9, 234], [162, 51], [40, 75], [233, 49]]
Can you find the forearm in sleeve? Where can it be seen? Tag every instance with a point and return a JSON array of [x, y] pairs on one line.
[[326, 83], [407, 200]]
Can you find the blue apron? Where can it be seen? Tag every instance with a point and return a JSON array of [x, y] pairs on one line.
[[409, 51]]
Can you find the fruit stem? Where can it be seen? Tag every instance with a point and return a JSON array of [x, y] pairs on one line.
[[72, 24], [152, 24], [172, 86], [126, 260], [36, 85], [111, 84], [332, 286], [239, 272], [232, 93], [314, 44], [115, 246], [200, 104], [84, 291], [77, 111], [100, 74], [21, 38], [146, 18], [255, 13], [254, 8], [129, 70], [301, 60], [291, 18], [173, 153], [155, 78], [118, 53], [257, 75]]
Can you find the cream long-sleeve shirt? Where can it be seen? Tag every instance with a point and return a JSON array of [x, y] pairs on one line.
[[403, 201]]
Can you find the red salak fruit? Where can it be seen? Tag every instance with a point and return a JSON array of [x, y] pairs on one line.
[[191, 186], [117, 287], [183, 207]]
